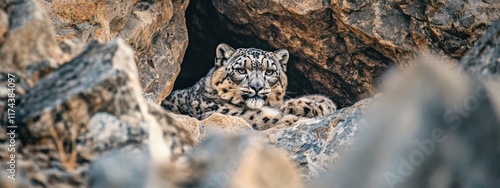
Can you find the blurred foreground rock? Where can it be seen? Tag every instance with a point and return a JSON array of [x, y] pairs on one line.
[[28, 45], [433, 127], [242, 161], [84, 109], [216, 123], [155, 29], [28, 48]]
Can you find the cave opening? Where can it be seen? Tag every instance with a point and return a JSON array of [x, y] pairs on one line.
[[207, 28]]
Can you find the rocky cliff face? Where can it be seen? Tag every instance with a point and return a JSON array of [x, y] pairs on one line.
[[155, 29], [342, 48], [88, 75]]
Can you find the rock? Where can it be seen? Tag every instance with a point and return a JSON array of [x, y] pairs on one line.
[[431, 128], [319, 62], [69, 91], [243, 161], [155, 29], [159, 64], [192, 125], [312, 143], [231, 125], [315, 143], [120, 168], [214, 124], [340, 48], [219, 161], [483, 60], [447, 29], [173, 131], [84, 109], [28, 46], [4, 23], [28, 51]]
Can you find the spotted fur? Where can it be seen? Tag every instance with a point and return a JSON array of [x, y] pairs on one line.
[[249, 83]]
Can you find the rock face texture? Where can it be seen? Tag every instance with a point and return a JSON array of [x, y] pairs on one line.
[[343, 47], [155, 29], [400, 29], [314, 144], [483, 60]]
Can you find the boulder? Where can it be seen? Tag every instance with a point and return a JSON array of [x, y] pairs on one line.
[[231, 125], [313, 144], [28, 48], [155, 29], [241, 160], [214, 124], [28, 45], [84, 109], [432, 128]]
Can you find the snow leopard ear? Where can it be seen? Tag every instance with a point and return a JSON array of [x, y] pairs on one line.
[[282, 57], [222, 54]]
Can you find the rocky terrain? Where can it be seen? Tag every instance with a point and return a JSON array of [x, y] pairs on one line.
[[89, 76]]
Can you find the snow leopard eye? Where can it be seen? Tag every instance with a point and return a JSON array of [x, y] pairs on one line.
[[270, 72], [241, 71]]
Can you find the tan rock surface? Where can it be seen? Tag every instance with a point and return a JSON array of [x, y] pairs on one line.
[[227, 124], [28, 46], [192, 125], [155, 29]]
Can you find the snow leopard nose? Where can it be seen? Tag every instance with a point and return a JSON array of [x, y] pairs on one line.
[[256, 83], [256, 87]]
